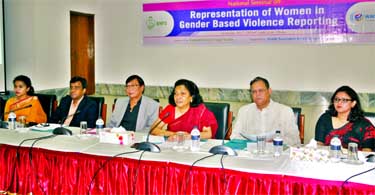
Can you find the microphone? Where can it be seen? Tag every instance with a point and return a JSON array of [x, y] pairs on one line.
[[17, 109], [61, 130], [148, 146], [222, 149]]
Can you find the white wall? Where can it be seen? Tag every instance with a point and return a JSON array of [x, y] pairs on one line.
[[38, 39], [38, 45]]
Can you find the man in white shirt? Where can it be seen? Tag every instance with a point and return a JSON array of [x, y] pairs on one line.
[[265, 116]]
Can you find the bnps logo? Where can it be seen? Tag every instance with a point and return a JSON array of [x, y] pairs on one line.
[[157, 23], [150, 22], [358, 17]]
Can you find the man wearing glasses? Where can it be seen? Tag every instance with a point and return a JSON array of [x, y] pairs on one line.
[[135, 112], [76, 106], [264, 116]]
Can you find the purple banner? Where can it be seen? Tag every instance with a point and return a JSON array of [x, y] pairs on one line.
[[262, 21]]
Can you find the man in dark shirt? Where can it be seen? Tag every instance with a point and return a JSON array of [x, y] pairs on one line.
[[76, 107], [129, 120]]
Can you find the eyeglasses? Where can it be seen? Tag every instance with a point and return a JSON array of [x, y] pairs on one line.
[[343, 100], [261, 91], [131, 86]]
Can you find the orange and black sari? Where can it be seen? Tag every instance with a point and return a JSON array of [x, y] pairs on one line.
[[34, 113]]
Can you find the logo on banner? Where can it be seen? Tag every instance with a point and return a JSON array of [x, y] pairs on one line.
[[361, 17], [370, 17], [159, 23], [150, 23], [358, 17]]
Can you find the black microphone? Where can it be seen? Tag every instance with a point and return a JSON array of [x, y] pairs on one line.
[[61, 130], [17, 109], [3, 125], [222, 149], [148, 146]]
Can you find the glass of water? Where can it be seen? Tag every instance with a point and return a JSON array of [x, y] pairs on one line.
[[261, 144], [353, 152], [83, 127]]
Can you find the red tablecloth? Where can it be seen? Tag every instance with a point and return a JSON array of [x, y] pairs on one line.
[[54, 172]]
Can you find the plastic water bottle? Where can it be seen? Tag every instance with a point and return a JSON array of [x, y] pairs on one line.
[[195, 139], [12, 121], [99, 125], [277, 144], [335, 149]]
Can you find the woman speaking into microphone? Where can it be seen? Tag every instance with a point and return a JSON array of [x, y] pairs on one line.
[[24, 103], [186, 111]]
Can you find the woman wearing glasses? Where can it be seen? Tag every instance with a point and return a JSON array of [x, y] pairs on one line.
[[344, 118]]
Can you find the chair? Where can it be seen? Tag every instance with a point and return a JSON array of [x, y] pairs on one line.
[[370, 116], [300, 119], [102, 107], [223, 117], [2, 108], [48, 102], [114, 104]]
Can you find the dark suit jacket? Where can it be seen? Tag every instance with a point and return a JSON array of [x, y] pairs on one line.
[[88, 112]]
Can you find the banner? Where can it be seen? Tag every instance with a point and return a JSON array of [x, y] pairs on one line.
[[259, 21]]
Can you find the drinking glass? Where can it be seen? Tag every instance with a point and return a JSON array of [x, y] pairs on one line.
[[261, 144]]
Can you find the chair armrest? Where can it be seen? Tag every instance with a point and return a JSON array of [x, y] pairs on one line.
[[230, 120], [302, 128]]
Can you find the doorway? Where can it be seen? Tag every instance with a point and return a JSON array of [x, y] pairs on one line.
[[82, 48]]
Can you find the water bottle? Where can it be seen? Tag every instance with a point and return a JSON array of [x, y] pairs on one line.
[[12, 121], [99, 125], [335, 149], [195, 139], [277, 144]]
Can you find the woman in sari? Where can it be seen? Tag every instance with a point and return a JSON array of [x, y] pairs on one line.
[[185, 111], [345, 119], [25, 103]]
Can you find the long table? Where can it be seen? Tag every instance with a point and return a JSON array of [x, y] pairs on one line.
[[66, 165]]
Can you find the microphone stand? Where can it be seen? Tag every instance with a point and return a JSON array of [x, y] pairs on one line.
[[146, 145], [3, 124], [222, 149]]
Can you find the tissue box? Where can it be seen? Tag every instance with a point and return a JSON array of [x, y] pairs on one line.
[[309, 154], [122, 138]]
